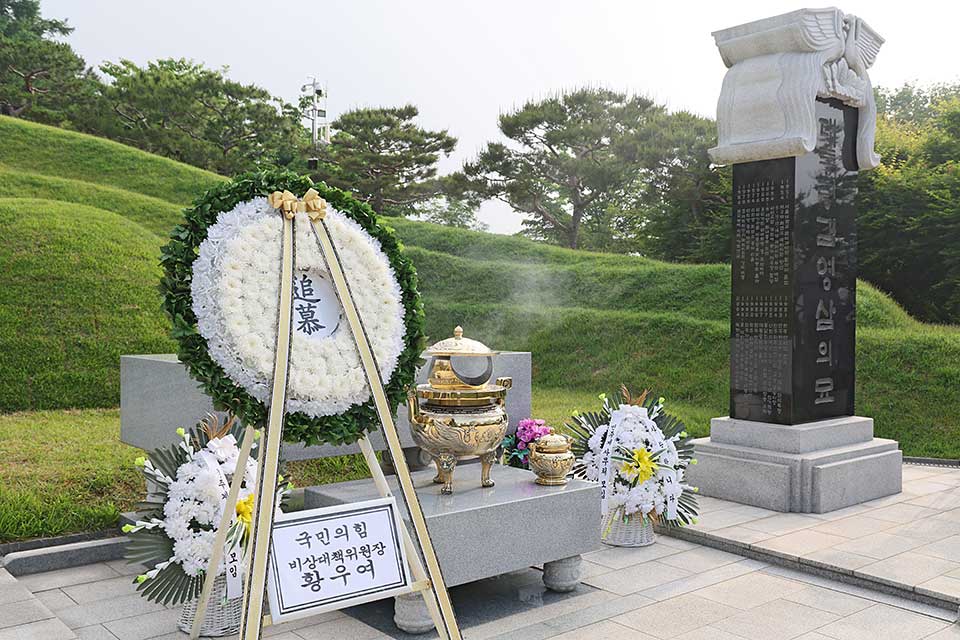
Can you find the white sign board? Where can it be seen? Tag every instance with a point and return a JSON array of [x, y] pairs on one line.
[[336, 557], [316, 310]]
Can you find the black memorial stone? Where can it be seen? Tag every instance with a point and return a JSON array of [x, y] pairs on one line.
[[793, 320]]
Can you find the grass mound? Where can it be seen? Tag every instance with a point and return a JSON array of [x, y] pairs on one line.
[[906, 380], [155, 215], [77, 290], [592, 320], [37, 148], [488, 246], [82, 220], [701, 292], [62, 491]]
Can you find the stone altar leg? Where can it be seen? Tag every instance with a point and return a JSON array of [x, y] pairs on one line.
[[562, 575], [410, 613]]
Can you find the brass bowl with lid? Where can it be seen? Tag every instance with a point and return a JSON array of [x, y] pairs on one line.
[[459, 413], [551, 459]]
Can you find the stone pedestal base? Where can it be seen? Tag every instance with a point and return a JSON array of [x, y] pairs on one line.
[[562, 575], [814, 467], [410, 612]]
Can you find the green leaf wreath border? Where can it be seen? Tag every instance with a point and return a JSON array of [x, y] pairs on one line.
[[178, 256]]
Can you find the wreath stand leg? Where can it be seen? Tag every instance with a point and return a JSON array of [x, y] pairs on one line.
[[261, 525], [413, 558], [216, 555], [439, 597]]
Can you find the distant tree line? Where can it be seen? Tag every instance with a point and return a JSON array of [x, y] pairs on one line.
[[587, 168], [175, 108], [909, 209], [607, 171], [182, 110]]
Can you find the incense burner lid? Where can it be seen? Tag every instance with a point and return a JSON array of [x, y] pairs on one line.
[[459, 346]]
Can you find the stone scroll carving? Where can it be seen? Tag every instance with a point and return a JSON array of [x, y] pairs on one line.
[[777, 67]]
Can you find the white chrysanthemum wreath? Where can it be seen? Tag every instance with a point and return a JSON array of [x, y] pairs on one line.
[[221, 290], [235, 297]]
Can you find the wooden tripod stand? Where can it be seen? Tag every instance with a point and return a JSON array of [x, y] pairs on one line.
[[427, 575]]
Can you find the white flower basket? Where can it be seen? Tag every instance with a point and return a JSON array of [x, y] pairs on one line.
[[222, 617], [636, 531]]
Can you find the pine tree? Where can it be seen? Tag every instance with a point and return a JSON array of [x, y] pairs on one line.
[[384, 158]]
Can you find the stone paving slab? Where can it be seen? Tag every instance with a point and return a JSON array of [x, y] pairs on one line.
[[709, 594], [12, 592], [18, 613], [766, 603], [94, 632], [23, 616], [909, 542], [67, 577], [881, 622], [50, 629]]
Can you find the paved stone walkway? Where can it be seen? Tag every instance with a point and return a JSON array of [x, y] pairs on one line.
[[909, 541], [673, 589]]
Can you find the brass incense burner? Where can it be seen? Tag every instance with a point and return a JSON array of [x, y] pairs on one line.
[[458, 413]]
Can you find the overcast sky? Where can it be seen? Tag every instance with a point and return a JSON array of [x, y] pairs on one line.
[[462, 63]]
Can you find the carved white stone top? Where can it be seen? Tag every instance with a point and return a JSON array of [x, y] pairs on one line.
[[777, 67]]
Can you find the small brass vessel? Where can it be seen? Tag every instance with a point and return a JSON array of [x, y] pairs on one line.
[[551, 459], [459, 413]]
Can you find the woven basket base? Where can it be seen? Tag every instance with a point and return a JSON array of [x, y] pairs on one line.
[[637, 531], [222, 617]]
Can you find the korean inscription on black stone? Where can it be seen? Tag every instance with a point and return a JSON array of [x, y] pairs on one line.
[[794, 280]]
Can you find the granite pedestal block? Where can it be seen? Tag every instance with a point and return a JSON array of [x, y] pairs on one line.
[[157, 395], [484, 532], [813, 467]]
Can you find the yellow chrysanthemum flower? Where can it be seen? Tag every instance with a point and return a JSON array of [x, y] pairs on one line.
[[640, 466], [245, 511]]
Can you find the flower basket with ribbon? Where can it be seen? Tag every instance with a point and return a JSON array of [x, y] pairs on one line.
[[175, 526], [638, 454]]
